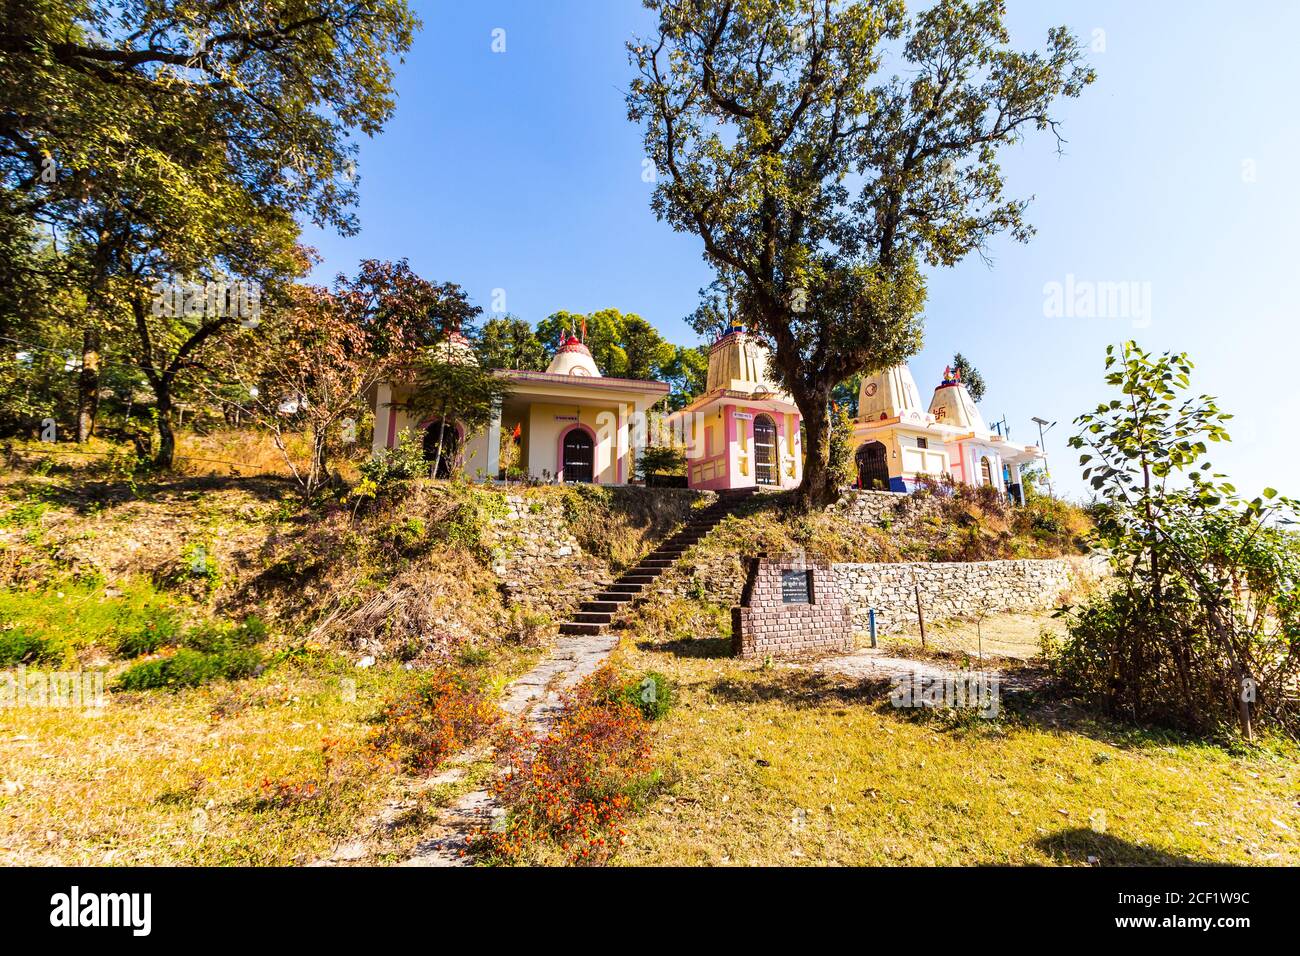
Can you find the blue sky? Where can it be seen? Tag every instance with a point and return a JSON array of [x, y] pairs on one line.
[[519, 171]]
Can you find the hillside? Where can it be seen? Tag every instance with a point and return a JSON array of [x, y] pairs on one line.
[[307, 634]]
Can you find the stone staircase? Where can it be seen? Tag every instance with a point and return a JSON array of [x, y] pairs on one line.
[[596, 615]]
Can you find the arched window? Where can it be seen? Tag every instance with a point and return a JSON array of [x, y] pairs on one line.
[[765, 460], [873, 466], [579, 456], [986, 471]]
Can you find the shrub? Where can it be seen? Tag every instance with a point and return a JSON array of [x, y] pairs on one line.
[[528, 627], [159, 629], [660, 460], [576, 786], [190, 668], [214, 637], [652, 695], [472, 655], [19, 646], [1204, 622], [394, 465], [210, 651], [439, 718]]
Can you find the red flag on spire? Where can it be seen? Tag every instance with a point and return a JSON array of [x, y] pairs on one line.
[[584, 330]]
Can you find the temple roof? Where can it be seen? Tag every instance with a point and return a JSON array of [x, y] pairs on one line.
[[573, 358], [890, 393], [738, 362], [952, 405]]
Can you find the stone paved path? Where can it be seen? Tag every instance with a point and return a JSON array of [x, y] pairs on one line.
[[534, 696]]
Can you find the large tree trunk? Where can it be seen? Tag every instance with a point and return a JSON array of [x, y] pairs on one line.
[[166, 455], [819, 487], [88, 385]]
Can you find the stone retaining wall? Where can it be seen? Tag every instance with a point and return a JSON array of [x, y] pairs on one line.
[[887, 509], [719, 578], [952, 589], [541, 564], [539, 561]]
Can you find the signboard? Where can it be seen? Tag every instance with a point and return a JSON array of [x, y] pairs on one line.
[[566, 418], [743, 416], [794, 587]]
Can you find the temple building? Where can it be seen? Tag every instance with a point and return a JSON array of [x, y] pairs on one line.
[[744, 430], [899, 440], [569, 423]]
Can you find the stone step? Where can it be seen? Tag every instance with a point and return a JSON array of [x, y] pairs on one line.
[[593, 617], [619, 588], [573, 627], [638, 578], [615, 597], [599, 607]]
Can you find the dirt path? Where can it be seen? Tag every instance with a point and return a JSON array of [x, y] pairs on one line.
[[534, 696], [867, 663]]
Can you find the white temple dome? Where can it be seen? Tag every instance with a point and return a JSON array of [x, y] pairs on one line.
[[455, 349], [889, 393], [573, 358], [952, 405]]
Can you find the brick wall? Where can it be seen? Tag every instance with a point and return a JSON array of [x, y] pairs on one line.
[[765, 625]]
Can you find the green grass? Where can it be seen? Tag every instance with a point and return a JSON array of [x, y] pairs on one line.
[[781, 766], [73, 616], [272, 771]]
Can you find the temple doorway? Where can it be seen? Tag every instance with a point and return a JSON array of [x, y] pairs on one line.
[[873, 466], [765, 467], [579, 456], [441, 444]]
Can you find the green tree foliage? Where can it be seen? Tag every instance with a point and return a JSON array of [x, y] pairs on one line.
[[165, 141], [623, 344], [825, 186], [719, 309], [842, 466], [687, 374], [506, 341], [970, 376], [1203, 625], [846, 394], [450, 389], [400, 311]]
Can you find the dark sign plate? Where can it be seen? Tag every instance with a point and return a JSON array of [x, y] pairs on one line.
[[794, 587]]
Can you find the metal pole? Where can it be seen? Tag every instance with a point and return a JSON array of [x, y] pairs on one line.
[[871, 624], [1047, 472], [920, 612]]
